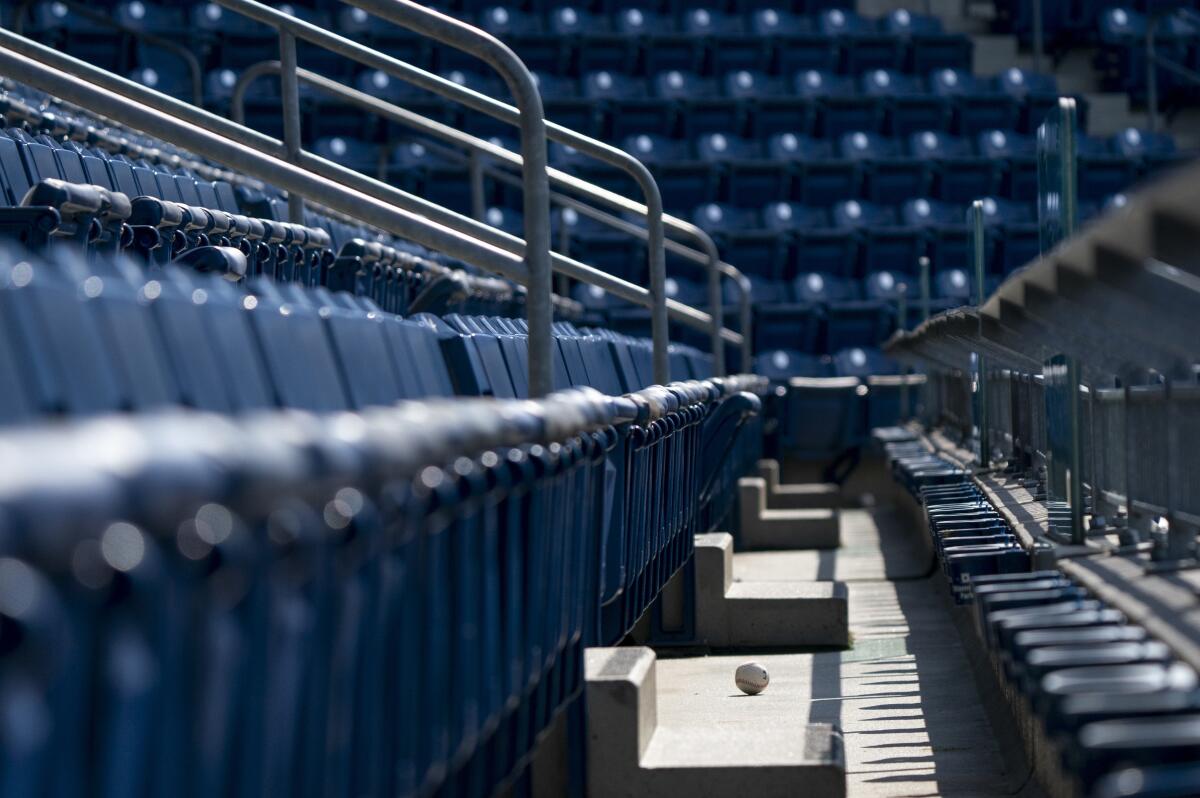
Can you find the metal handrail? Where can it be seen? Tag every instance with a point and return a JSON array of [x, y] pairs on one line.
[[507, 113], [376, 190], [530, 120], [176, 49], [478, 146]]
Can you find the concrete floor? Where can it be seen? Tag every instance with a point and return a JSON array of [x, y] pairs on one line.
[[902, 695]]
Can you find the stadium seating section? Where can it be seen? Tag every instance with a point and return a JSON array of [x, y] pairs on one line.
[[819, 147]]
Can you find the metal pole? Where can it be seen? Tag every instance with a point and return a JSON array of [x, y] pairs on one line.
[[475, 173], [977, 234], [290, 102], [1070, 171], [1039, 36]]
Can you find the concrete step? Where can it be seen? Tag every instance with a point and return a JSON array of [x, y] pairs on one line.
[[631, 754], [871, 549], [762, 614], [807, 496], [764, 528]]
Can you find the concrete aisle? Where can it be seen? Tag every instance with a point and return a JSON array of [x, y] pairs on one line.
[[903, 694]]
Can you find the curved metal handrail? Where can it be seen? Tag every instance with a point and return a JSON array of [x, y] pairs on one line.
[[531, 121], [586, 145], [479, 146]]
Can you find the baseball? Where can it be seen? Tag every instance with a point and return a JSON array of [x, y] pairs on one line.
[[751, 678]]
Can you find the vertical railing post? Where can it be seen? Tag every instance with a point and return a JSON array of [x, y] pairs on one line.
[[531, 119], [977, 235], [475, 174], [1070, 169], [289, 89]]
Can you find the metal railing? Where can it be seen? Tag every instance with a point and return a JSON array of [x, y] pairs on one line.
[[1071, 357], [407, 14], [477, 147], [530, 120]]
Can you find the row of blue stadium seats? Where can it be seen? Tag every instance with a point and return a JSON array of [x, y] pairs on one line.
[[174, 213], [723, 168], [852, 238], [815, 313], [88, 336], [614, 104], [565, 40]]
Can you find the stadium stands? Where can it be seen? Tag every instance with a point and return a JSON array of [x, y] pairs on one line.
[[364, 433]]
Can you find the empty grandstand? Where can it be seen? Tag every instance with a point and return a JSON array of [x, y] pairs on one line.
[[446, 400]]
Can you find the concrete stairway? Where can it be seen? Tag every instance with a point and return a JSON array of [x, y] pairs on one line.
[[786, 517], [888, 708]]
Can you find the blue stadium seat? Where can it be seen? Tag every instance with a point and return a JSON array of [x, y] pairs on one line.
[[909, 106], [839, 107], [814, 244], [780, 364], [1015, 231], [862, 46], [862, 362], [348, 152], [1037, 95], [748, 178], [818, 176], [1102, 172], [626, 105], [958, 175], [764, 107], [762, 251], [696, 104], [1152, 151], [619, 46], [1018, 156], [888, 175], [682, 179], [977, 106]]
